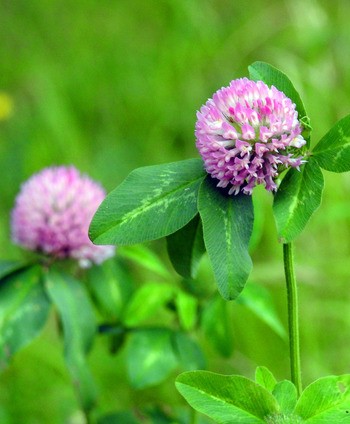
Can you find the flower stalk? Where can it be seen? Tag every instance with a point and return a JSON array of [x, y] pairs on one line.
[[293, 319]]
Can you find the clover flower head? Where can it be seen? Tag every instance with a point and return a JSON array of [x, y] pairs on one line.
[[52, 214], [247, 134]]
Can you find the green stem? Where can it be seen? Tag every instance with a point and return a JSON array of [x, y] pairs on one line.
[[293, 323], [87, 417]]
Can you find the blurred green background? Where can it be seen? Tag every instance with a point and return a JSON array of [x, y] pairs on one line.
[[113, 85]]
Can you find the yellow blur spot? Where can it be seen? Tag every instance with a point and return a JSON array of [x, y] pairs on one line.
[[6, 106]]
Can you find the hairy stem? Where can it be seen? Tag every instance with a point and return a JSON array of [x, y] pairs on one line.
[[293, 323]]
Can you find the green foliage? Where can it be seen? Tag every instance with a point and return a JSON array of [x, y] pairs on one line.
[[143, 256], [148, 346], [297, 198], [259, 301], [227, 227], [186, 248], [227, 399], [151, 203], [231, 399], [88, 93], [79, 328], [9, 267], [216, 326], [24, 308], [326, 400], [147, 300], [299, 194], [111, 287], [118, 418], [286, 394], [153, 352], [333, 151], [187, 309], [265, 378], [273, 76], [189, 354], [136, 328], [150, 357]]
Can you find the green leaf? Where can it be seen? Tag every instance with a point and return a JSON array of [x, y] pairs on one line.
[[24, 308], [261, 71], [79, 328], [151, 203], [333, 150], [150, 357], [186, 306], [260, 212], [116, 333], [286, 394], [146, 301], [215, 324], [186, 247], [202, 287], [124, 417], [227, 399], [227, 227], [265, 378], [297, 198], [156, 415], [188, 351], [143, 256], [259, 301], [111, 287], [8, 267], [326, 401]]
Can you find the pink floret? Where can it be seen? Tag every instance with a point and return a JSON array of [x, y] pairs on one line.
[[247, 133], [53, 212]]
